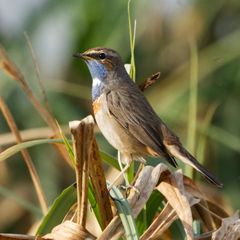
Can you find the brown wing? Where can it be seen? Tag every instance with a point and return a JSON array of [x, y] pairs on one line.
[[132, 111]]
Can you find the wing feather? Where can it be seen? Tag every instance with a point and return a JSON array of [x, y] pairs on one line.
[[132, 111]]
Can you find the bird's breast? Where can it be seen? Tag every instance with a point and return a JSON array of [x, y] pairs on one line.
[[116, 135], [106, 123]]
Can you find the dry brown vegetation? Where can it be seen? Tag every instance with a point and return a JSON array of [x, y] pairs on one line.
[[182, 198]]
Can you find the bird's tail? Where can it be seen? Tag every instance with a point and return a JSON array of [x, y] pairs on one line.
[[182, 154]]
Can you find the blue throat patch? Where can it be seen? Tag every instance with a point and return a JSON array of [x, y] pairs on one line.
[[98, 73]]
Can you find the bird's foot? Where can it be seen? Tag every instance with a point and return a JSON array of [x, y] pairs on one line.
[[129, 187]]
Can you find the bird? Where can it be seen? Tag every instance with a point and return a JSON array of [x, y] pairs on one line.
[[126, 118]]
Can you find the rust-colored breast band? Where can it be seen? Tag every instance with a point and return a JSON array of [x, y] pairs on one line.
[[96, 105]]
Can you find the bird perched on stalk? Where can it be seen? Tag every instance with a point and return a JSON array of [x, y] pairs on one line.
[[125, 117]]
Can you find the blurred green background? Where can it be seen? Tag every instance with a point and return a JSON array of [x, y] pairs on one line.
[[165, 31]]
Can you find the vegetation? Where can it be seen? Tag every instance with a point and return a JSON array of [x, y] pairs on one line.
[[195, 46]]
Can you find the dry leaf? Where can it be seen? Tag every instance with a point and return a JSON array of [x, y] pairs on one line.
[[87, 154], [69, 231], [8, 66], [230, 229], [98, 180], [145, 183], [208, 212], [149, 81], [173, 189], [160, 224], [4, 236]]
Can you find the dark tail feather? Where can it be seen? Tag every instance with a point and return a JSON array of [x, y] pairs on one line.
[[209, 176], [171, 160], [182, 154]]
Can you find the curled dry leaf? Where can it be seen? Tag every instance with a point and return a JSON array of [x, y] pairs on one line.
[[149, 81], [82, 136], [69, 231], [163, 221], [88, 164], [230, 229], [145, 184], [4, 236], [210, 212], [207, 221], [139, 194], [172, 187], [87, 154]]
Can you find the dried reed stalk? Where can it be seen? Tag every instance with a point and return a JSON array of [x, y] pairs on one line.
[[12, 70], [88, 164], [31, 168]]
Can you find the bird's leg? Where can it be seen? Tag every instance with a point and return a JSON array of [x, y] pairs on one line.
[[127, 159], [121, 167], [122, 173]]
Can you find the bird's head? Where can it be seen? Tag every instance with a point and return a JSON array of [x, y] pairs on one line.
[[101, 62]]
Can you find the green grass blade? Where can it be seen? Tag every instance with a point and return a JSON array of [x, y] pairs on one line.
[[94, 205], [192, 116], [18, 147], [62, 205], [125, 214], [110, 160], [132, 42], [141, 222], [224, 137], [154, 204], [203, 137], [132, 72], [67, 145], [177, 230], [196, 227], [58, 210]]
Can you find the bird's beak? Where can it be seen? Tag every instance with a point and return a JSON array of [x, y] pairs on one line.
[[84, 56]]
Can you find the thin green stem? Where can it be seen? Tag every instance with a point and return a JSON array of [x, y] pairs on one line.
[[192, 112], [200, 152], [132, 42], [132, 73]]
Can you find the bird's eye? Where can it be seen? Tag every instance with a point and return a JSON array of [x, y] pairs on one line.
[[102, 56]]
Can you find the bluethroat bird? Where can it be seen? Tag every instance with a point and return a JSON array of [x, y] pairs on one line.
[[125, 117]]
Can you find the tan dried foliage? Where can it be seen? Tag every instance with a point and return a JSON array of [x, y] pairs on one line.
[[89, 165], [19, 237], [69, 231], [229, 230], [184, 201], [173, 190], [10, 68]]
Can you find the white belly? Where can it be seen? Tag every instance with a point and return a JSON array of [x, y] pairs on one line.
[[109, 127], [116, 135]]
